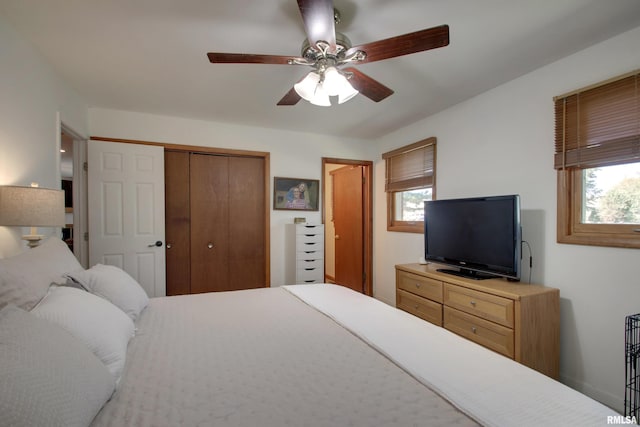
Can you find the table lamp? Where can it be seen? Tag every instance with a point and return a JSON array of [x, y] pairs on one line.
[[31, 207]]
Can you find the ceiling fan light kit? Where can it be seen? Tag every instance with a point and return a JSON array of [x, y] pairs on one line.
[[318, 86], [326, 51]]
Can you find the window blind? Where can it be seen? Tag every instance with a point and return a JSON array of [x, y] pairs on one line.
[[410, 167], [599, 125]]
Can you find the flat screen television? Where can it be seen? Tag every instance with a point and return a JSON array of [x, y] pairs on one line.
[[480, 237]]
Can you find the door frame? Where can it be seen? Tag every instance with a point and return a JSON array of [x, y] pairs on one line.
[[80, 205], [224, 151], [367, 194]]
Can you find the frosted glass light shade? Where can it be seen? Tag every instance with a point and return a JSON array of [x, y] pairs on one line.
[[333, 81], [347, 92], [321, 97], [307, 87]]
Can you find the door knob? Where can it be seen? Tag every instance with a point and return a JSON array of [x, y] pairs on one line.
[[210, 245], [337, 237], [157, 243], [168, 245]]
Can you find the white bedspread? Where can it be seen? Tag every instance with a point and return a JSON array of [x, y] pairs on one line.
[[492, 389], [262, 357]]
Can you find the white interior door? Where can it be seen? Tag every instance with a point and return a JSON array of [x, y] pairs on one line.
[[126, 210]]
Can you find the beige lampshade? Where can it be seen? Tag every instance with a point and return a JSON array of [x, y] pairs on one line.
[[31, 207]]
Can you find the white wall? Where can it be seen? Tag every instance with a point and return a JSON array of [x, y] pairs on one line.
[[292, 154], [501, 142], [34, 100]]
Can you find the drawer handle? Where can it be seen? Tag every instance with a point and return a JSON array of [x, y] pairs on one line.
[[309, 269], [473, 329], [473, 303], [418, 285]]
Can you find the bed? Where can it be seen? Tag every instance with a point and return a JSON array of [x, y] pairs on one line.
[[300, 355]]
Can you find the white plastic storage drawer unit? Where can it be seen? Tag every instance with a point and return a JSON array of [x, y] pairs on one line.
[[305, 253]]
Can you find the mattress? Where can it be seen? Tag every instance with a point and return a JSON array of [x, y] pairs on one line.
[[262, 357], [490, 388], [322, 355]]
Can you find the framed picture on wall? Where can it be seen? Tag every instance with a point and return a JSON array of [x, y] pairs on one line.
[[296, 194]]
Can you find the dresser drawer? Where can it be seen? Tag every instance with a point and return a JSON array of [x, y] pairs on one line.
[[486, 306], [420, 285], [418, 306], [309, 228], [311, 253], [313, 275], [309, 264], [488, 334], [309, 238], [308, 247]]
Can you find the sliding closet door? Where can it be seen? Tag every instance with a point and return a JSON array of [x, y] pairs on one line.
[[209, 184], [247, 226], [177, 223], [217, 216]]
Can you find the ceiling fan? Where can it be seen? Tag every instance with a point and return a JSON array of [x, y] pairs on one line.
[[330, 54]]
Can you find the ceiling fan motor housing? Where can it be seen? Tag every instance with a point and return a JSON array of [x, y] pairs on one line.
[[320, 49]]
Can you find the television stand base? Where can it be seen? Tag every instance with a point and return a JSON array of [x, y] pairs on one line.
[[467, 274]]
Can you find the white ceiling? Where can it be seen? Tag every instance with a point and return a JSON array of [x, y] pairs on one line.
[[150, 55]]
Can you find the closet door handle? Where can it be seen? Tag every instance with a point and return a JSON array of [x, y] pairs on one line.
[[210, 245]]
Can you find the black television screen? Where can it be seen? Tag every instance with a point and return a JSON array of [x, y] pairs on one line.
[[480, 235]]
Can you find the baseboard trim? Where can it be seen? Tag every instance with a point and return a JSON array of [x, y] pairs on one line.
[[612, 401]]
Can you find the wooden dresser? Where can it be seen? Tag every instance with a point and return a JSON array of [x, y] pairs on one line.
[[520, 321]]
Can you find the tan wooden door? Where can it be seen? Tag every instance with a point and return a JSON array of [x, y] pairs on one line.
[[348, 208], [247, 223], [209, 184], [178, 222]]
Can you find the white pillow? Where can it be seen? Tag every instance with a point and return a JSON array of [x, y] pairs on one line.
[[100, 325], [25, 278], [47, 377], [114, 285]]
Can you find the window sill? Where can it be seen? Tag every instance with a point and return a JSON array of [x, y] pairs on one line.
[[417, 227]]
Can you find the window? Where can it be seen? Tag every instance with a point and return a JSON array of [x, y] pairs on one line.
[[597, 156], [410, 179]]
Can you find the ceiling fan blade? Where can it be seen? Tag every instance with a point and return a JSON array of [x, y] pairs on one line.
[[318, 21], [291, 98], [247, 58], [372, 89], [406, 44]]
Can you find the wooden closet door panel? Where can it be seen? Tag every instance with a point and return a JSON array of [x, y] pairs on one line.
[[247, 228], [177, 222], [209, 182]]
